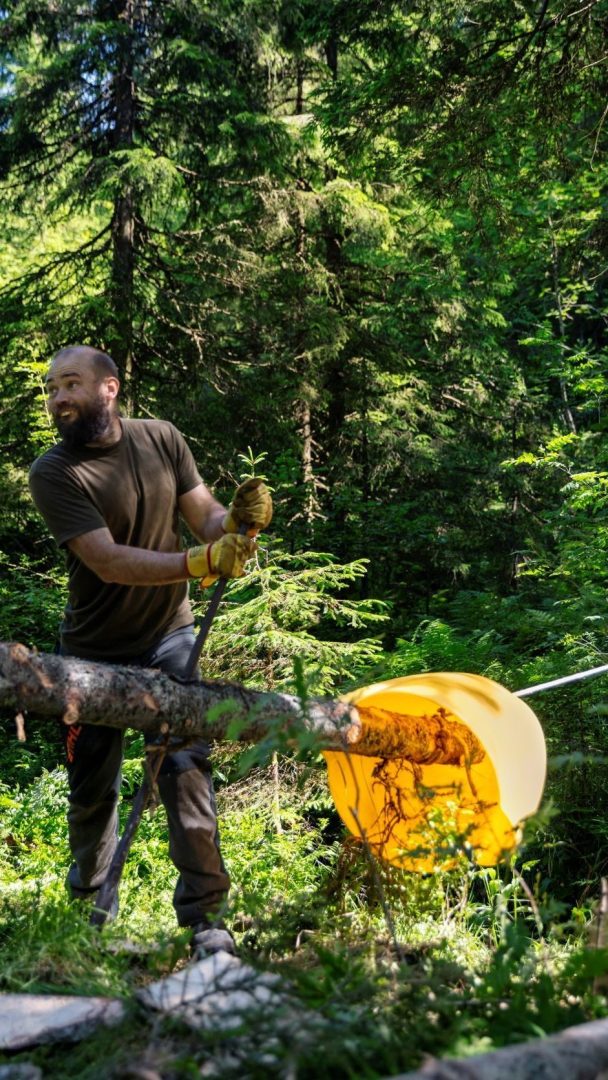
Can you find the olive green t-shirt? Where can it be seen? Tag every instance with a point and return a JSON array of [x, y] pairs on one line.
[[132, 489]]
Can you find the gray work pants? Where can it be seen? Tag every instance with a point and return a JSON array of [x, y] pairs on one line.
[[94, 760]]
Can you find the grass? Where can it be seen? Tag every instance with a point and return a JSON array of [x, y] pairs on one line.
[[464, 961]]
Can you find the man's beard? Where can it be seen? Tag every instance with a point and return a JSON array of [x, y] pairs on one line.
[[91, 422]]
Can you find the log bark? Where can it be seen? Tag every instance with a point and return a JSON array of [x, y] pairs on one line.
[[86, 692]]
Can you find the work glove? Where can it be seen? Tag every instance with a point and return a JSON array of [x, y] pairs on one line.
[[225, 558], [251, 506]]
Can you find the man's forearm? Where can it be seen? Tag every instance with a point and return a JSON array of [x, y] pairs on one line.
[[203, 514], [213, 528], [136, 566]]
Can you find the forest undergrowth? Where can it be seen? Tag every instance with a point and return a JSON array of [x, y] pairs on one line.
[[381, 966]]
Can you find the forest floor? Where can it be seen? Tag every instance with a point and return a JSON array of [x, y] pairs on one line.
[[383, 966]]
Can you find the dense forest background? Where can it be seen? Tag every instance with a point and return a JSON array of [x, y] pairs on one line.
[[361, 248]]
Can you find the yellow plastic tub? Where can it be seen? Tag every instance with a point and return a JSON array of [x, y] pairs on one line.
[[425, 816]]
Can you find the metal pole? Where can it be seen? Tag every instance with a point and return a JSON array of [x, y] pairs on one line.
[[561, 682], [205, 627]]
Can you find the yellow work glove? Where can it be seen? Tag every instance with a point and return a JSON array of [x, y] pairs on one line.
[[225, 558], [251, 506]]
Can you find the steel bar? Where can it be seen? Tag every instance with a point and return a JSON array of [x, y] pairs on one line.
[[529, 690]]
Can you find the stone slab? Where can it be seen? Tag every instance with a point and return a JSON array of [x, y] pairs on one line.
[[30, 1019], [576, 1053], [218, 992], [21, 1071], [24, 1071]]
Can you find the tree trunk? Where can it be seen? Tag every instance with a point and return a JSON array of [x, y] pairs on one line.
[[310, 510], [557, 295], [299, 108], [123, 219], [84, 692]]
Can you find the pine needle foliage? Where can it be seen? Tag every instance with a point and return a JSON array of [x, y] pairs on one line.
[[293, 607]]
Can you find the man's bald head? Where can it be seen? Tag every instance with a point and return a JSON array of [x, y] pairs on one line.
[[102, 364], [82, 386]]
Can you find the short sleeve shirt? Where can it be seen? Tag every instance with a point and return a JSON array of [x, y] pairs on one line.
[[132, 489]]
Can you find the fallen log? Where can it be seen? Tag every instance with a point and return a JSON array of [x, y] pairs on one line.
[[85, 692], [146, 699]]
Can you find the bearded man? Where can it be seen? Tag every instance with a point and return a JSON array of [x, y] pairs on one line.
[[112, 492]]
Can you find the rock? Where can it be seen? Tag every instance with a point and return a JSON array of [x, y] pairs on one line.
[[215, 993], [29, 1019], [577, 1053], [137, 1072], [22, 1071]]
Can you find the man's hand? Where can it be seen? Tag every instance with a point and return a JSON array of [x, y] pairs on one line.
[[225, 558], [251, 506]]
